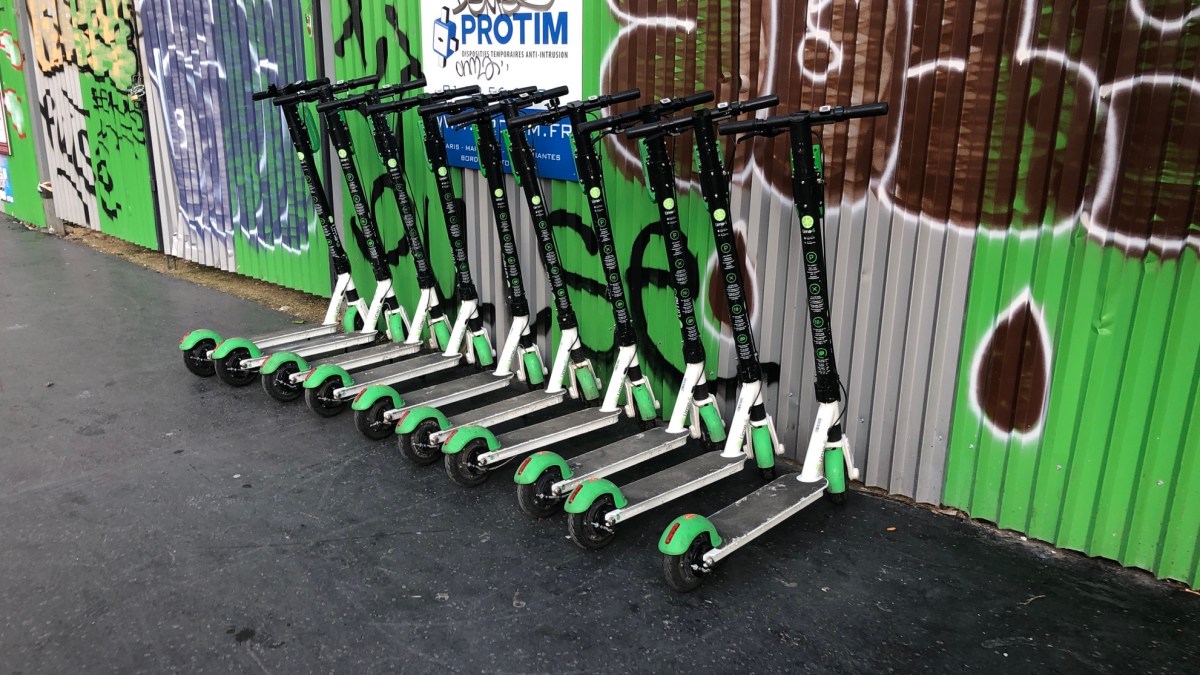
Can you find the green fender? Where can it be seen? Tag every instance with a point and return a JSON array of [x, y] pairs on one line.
[[538, 462], [589, 491], [483, 352], [441, 334], [395, 327], [276, 361], [195, 337], [414, 416], [224, 347], [325, 371], [348, 319], [682, 531], [367, 397], [643, 401], [459, 438], [712, 423], [835, 471], [764, 447]]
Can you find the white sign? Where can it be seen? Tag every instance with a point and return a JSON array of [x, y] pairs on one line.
[[503, 44]]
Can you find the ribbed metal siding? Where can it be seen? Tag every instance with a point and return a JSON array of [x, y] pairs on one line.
[[231, 193]]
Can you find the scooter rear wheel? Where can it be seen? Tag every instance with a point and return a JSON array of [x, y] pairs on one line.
[[370, 422], [535, 498], [588, 529], [416, 446], [321, 401], [279, 385], [463, 468], [230, 371], [683, 572], [196, 359]]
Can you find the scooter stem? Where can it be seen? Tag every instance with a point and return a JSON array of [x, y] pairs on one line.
[[736, 442], [693, 376], [616, 383], [504, 365], [568, 341]]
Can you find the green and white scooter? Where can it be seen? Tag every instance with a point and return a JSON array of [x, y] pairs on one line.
[[692, 544], [377, 407], [597, 505], [420, 423], [466, 444], [490, 449], [545, 478], [330, 384], [346, 308], [242, 359]]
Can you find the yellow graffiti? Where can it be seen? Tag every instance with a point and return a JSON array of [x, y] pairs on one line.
[[93, 34]]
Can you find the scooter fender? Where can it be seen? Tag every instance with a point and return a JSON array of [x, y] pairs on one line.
[[325, 371], [589, 491], [367, 397], [682, 531], [537, 463], [459, 438], [414, 416], [226, 346], [196, 337], [276, 361]]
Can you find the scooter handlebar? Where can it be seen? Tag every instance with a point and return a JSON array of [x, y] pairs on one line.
[[403, 104], [664, 106], [274, 92], [587, 105], [358, 83], [823, 115], [452, 107], [370, 97]]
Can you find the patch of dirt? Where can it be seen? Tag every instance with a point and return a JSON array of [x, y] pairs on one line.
[[304, 306]]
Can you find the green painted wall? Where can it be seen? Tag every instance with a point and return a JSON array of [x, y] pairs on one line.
[[16, 100]]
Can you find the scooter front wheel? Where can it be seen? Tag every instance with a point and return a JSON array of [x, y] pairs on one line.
[[589, 530], [196, 359], [320, 399], [536, 499], [685, 572], [230, 371], [370, 422], [279, 385], [463, 467]]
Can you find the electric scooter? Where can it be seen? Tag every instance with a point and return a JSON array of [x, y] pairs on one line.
[[479, 441], [242, 358], [328, 384], [597, 505], [345, 305], [419, 419], [545, 478], [466, 445], [692, 544]]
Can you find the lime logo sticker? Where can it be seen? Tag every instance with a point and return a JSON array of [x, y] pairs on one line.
[[536, 201], [300, 155], [442, 171], [391, 163], [822, 353], [668, 203], [342, 154], [499, 193], [719, 214], [807, 222], [595, 193]]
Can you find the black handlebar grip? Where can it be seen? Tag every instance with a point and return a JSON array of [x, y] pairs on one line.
[[264, 95], [644, 130], [472, 116], [536, 119], [620, 97], [341, 103], [768, 101], [748, 126], [540, 96], [866, 110], [347, 85], [401, 88], [689, 101], [507, 93]]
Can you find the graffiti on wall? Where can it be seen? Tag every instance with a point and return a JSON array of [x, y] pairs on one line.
[[86, 65]]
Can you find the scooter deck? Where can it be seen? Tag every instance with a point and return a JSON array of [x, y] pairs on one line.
[[475, 384], [614, 457], [662, 487], [399, 371], [370, 357], [548, 432], [505, 410], [294, 334], [766, 507], [323, 346]]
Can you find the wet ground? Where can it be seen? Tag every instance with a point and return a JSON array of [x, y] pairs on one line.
[[153, 521]]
